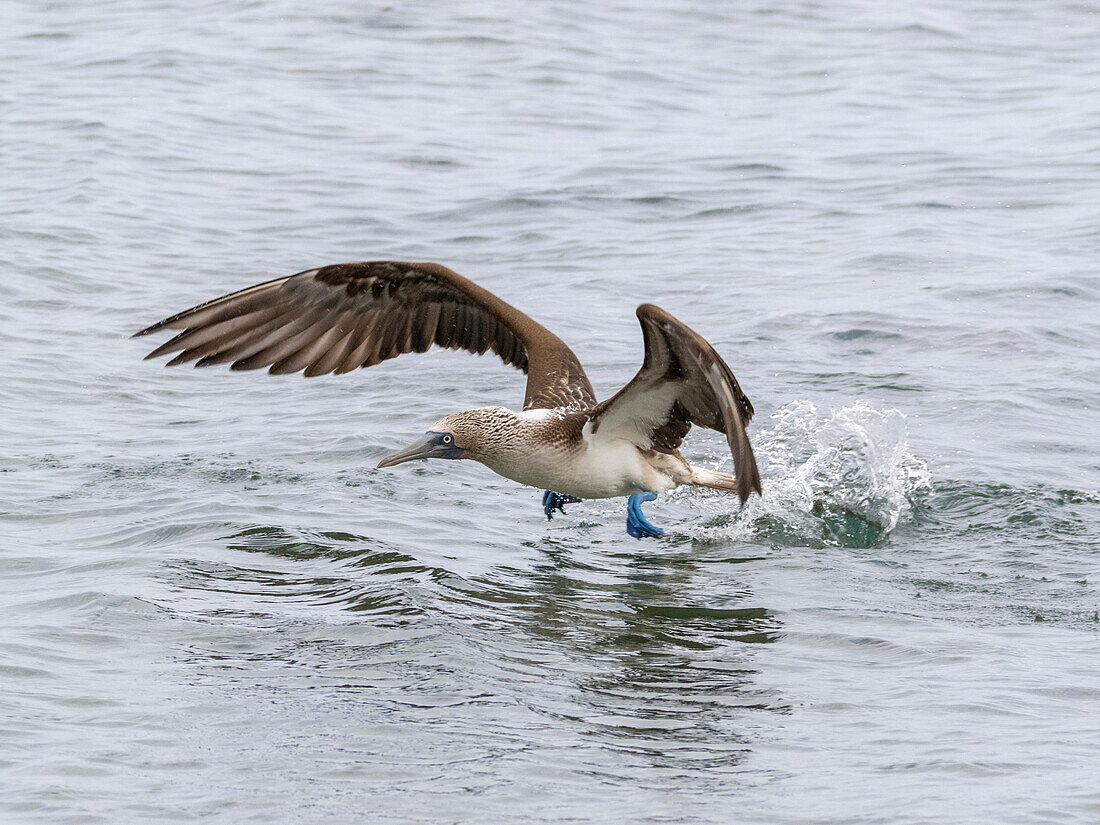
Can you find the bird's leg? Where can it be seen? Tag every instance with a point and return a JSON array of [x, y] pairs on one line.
[[636, 523], [552, 501]]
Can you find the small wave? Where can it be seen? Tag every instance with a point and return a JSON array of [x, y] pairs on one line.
[[844, 478], [1033, 512]]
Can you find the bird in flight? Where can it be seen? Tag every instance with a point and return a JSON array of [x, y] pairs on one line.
[[339, 317]]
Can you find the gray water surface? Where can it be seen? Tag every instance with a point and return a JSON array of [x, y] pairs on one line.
[[886, 218]]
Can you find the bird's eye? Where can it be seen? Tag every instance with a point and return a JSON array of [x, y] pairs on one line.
[[446, 439]]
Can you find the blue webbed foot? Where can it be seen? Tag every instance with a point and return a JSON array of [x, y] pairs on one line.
[[552, 501], [636, 523]]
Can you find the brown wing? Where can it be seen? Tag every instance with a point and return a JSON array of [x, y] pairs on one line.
[[340, 317], [683, 381]]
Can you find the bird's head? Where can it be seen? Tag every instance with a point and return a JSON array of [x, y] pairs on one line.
[[460, 435]]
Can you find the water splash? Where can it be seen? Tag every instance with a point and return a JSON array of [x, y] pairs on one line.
[[844, 478]]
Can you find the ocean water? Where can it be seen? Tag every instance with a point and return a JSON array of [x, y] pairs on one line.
[[886, 218]]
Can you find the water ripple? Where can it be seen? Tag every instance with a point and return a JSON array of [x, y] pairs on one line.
[[881, 215]]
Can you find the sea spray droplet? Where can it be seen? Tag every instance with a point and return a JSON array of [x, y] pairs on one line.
[[845, 478]]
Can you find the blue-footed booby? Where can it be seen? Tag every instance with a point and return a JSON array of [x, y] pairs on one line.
[[340, 317]]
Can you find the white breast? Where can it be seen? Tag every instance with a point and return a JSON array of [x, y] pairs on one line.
[[607, 468]]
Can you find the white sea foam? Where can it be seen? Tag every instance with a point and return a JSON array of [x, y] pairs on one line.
[[844, 477]]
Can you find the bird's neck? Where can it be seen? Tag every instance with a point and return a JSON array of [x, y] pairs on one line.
[[504, 437]]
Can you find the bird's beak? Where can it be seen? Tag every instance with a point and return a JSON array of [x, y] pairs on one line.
[[430, 446]]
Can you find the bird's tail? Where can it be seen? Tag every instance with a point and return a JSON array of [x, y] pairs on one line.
[[709, 478]]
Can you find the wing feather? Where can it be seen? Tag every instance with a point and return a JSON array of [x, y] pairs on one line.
[[682, 381], [279, 342], [314, 347], [236, 303], [327, 361], [335, 318], [357, 357], [427, 324], [245, 345]]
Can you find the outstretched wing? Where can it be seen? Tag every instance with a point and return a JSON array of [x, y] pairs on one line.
[[683, 381], [339, 317]]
